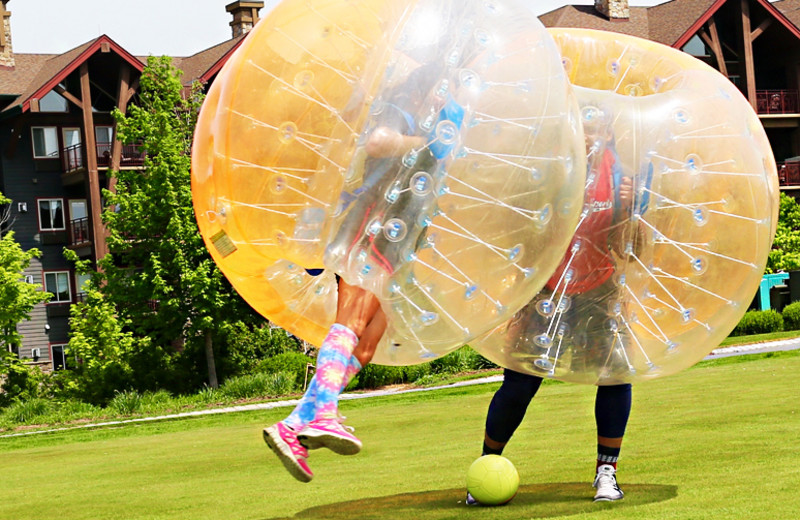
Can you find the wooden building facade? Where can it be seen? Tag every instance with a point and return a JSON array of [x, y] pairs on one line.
[[754, 43], [57, 136], [57, 145]]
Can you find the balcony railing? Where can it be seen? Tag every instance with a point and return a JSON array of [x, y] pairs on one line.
[[777, 101], [79, 231], [789, 173], [132, 155], [73, 159]]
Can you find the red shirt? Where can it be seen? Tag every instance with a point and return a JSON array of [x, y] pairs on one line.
[[591, 265]]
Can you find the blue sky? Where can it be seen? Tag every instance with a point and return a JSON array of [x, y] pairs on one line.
[[171, 27]]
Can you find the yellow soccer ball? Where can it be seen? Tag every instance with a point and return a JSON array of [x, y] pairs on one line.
[[492, 480]]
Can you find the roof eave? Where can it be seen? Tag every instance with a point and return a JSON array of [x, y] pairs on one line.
[[686, 36], [78, 61]]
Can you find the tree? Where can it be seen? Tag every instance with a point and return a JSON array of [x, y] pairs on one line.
[[158, 277], [17, 297], [785, 253]]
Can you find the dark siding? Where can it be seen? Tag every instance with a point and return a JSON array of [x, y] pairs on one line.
[[24, 182]]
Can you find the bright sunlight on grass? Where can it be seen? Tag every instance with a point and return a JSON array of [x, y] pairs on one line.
[[717, 441]]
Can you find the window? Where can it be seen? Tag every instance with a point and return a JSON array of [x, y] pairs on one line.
[[51, 214], [57, 283], [81, 281], [72, 148], [45, 142], [59, 361], [104, 136], [696, 47], [53, 102]]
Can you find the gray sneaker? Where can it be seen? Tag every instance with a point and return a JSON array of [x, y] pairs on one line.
[[606, 484]]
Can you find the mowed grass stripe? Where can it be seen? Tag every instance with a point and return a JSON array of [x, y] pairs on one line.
[[717, 441]]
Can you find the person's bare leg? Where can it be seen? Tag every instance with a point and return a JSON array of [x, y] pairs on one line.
[[615, 442], [359, 322], [493, 444], [355, 307], [368, 342]]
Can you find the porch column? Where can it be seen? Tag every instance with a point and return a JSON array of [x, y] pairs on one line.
[[95, 200], [750, 71]]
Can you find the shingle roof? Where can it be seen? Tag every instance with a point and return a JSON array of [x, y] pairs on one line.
[[196, 66], [31, 79], [16, 80], [587, 17], [669, 21], [664, 23], [790, 9]]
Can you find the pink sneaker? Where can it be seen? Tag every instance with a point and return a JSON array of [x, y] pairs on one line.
[[283, 441], [331, 434]]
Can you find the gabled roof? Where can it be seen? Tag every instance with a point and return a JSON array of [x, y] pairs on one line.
[[671, 23], [203, 65], [790, 9], [35, 75], [587, 17], [672, 20]]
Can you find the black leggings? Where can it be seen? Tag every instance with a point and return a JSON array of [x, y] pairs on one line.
[[612, 406]]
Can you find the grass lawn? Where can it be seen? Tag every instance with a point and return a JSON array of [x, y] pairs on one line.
[[718, 441]]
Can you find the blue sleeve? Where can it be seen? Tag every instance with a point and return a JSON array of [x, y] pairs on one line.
[[644, 200], [453, 112], [616, 176]]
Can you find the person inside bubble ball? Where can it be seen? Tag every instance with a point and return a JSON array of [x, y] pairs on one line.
[[609, 197], [350, 344]]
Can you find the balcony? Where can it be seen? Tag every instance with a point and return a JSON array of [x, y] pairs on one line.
[[777, 102], [73, 158], [79, 231], [789, 174]]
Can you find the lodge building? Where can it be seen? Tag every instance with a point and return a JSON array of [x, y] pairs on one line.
[[57, 136]]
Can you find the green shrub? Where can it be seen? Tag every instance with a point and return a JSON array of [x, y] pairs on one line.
[[791, 316], [292, 362], [375, 376], [72, 409], [27, 412], [415, 372], [759, 322], [156, 402], [21, 382], [462, 360], [247, 344], [258, 385], [208, 395], [127, 402], [281, 383]]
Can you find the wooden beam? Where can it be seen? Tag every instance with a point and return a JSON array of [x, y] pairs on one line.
[[750, 70], [717, 46], [133, 89], [93, 179], [122, 106], [758, 31], [61, 90]]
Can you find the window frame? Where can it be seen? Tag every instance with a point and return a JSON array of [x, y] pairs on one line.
[[63, 347], [39, 214], [54, 128], [68, 276], [63, 101]]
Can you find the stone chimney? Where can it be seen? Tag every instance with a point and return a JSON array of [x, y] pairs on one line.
[[245, 15], [6, 54], [615, 10]]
